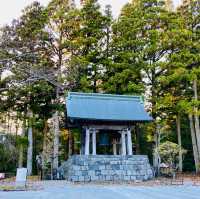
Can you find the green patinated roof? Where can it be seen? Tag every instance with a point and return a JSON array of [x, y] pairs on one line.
[[95, 106]]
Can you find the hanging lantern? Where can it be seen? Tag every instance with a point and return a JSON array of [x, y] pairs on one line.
[[103, 139]]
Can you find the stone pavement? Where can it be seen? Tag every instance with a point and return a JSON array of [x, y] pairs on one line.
[[64, 190]]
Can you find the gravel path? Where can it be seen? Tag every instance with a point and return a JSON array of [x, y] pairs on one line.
[[64, 190]]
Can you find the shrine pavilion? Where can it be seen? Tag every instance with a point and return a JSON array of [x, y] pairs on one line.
[[106, 122]]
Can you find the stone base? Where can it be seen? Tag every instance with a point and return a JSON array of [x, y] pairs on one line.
[[82, 168]]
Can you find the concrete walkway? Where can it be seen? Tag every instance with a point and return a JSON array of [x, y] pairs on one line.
[[67, 191]]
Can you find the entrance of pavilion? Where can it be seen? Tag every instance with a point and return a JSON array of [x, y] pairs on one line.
[[108, 142]]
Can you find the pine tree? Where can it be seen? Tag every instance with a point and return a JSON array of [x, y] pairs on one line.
[[92, 39], [61, 28], [143, 38], [188, 56], [123, 69]]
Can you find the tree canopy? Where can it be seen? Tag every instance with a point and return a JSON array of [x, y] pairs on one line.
[[152, 49]]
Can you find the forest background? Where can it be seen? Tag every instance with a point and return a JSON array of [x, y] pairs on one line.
[[151, 49]]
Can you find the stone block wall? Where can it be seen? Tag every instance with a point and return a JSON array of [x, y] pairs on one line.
[[81, 168]]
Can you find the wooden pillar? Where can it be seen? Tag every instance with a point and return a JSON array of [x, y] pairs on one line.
[[94, 142], [129, 140], [87, 142], [123, 138], [82, 142], [137, 134], [114, 147]]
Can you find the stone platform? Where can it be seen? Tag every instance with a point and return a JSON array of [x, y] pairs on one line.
[[82, 168]]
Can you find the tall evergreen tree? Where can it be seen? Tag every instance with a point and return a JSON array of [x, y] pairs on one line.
[[188, 57], [61, 28], [92, 42], [123, 70], [143, 38], [23, 45]]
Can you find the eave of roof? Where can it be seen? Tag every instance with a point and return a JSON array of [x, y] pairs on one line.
[[106, 107]]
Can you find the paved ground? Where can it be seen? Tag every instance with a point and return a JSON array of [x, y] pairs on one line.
[[67, 191]]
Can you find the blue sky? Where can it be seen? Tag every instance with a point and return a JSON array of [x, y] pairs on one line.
[[10, 9]]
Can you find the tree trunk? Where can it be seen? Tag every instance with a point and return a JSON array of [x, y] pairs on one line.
[[30, 144], [16, 131], [56, 140], [178, 125], [44, 148], [194, 143], [21, 147], [30, 150], [156, 156], [20, 161], [44, 145], [70, 144], [196, 117]]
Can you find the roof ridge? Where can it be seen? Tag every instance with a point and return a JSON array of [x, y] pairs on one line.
[[102, 95]]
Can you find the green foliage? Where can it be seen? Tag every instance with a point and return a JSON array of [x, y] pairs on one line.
[[22, 141], [8, 155], [169, 153], [149, 50], [123, 70], [92, 41]]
